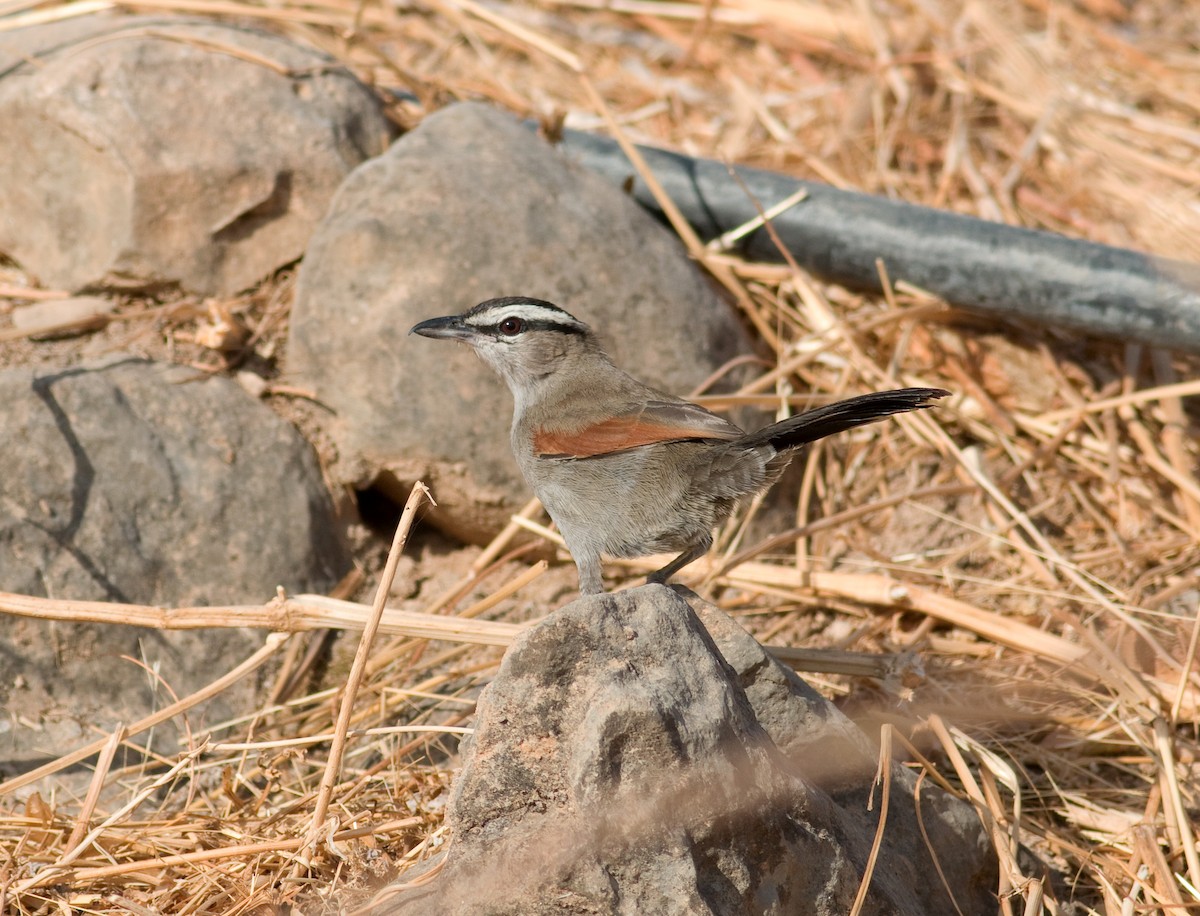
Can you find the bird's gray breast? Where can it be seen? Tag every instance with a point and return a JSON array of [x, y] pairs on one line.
[[656, 498]]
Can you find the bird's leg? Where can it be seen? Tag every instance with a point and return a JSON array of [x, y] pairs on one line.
[[695, 552], [588, 565]]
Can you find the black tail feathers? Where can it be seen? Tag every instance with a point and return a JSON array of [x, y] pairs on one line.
[[842, 415]]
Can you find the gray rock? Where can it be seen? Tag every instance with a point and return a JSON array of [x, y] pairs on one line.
[[138, 482], [621, 764], [149, 150], [467, 207], [834, 754]]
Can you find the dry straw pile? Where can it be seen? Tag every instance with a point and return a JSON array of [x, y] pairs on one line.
[[1039, 651]]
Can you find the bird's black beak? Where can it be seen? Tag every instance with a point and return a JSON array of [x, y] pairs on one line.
[[452, 327]]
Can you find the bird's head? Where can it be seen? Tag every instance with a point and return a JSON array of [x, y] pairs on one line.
[[525, 340]]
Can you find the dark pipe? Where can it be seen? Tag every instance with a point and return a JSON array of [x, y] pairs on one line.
[[985, 267]]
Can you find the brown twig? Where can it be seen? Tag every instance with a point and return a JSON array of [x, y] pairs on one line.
[[337, 747]]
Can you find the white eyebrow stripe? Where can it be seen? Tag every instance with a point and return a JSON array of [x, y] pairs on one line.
[[526, 311]]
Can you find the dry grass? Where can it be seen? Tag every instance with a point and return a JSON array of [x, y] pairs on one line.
[[1010, 581]]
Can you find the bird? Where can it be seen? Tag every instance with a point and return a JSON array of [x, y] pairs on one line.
[[622, 468]]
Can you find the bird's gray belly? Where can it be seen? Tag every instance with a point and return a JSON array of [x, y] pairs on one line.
[[645, 500]]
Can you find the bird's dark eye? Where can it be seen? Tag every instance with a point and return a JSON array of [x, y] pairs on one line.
[[511, 326]]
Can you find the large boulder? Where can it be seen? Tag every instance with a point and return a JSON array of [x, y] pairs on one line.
[[629, 759], [143, 151], [470, 206], [139, 482]]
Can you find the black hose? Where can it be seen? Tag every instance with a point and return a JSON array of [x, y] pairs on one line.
[[985, 267]]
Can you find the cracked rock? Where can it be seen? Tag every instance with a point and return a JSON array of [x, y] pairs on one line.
[[141, 483]]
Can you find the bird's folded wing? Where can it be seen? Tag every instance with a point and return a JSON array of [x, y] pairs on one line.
[[657, 421]]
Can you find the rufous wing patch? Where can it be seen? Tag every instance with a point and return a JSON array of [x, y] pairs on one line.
[[620, 434]]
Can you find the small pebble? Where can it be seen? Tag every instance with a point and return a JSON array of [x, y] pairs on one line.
[[56, 318]]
